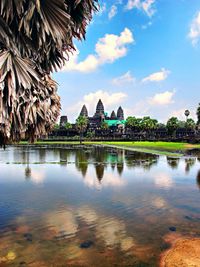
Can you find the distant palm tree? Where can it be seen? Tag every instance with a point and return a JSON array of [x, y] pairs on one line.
[[190, 124], [36, 38], [187, 113], [81, 125], [172, 125], [133, 122]]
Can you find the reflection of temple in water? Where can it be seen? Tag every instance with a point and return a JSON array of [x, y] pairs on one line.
[[120, 168], [139, 159], [198, 179], [99, 171], [173, 162], [117, 159], [189, 163]]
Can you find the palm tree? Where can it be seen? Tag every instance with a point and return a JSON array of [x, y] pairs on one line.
[[190, 124], [81, 125], [187, 114], [36, 38], [148, 125], [56, 127], [68, 125], [133, 122], [172, 125]]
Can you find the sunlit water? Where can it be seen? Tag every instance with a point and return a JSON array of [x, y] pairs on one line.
[[93, 206]]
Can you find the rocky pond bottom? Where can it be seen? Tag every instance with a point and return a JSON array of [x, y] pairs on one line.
[[94, 206]]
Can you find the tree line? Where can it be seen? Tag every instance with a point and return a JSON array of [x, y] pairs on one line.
[[145, 127]]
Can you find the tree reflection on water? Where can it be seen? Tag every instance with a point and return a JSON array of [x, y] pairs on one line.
[[100, 157]]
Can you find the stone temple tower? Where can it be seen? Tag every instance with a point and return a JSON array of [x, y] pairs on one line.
[[63, 121], [113, 116], [99, 109], [84, 111], [120, 113]]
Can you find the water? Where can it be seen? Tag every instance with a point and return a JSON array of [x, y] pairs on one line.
[[94, 206]]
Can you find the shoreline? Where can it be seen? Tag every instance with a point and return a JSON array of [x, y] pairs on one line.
[[171, 149]]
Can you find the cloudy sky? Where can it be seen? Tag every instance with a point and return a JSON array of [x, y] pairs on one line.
[[141, 54]]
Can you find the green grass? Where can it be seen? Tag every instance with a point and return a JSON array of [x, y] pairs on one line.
[[170, 146], [160, 148]]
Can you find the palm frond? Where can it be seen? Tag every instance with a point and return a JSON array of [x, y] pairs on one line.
[[35, 36]]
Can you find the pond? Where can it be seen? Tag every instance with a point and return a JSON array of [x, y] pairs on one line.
[[94, 206]]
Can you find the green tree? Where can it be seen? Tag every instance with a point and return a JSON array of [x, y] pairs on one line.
[[133, 122], [68, 125], [190, 124], [90, 134], [172, 125], [187, 113], [104, 126], [149, 124], [81, 125], [35, 37], [161, 126], [56, 126], [181, 124]]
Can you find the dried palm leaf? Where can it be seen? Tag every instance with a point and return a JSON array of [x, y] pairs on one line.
[[35, 36]]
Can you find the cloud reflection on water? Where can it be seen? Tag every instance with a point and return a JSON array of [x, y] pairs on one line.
[[163, 180]]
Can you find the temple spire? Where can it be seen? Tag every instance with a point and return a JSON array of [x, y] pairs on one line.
[[99, 109], [84, 111], [120, 113], [113, 116]]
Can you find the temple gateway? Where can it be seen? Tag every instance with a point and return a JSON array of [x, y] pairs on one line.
[[115, 119]]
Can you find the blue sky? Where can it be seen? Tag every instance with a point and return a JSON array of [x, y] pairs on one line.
[[141, 54]]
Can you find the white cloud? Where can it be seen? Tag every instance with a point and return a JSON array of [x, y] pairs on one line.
[[140, 109], [194, 33], [146, 6], [108, 49], [109, 180], [157, 76], [164, 98], [123, 79], [37, 177], [102, 9], [145, 26], [107, 98], [110, 100], [112, 12], [180, 114], [112, 47], [163, 180], [159, 203], [133, 4]]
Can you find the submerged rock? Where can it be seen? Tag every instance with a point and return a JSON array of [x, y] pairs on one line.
[[86, 244], [28, 237], [172, 228]]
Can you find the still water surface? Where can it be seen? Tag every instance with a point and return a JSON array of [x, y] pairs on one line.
[[94, 206]]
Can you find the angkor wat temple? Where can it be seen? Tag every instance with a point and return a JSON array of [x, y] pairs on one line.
[[100, 115]]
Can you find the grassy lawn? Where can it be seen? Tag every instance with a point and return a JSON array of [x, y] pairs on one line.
[[170, 146], [159, 148]]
